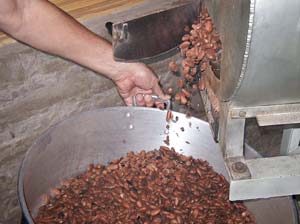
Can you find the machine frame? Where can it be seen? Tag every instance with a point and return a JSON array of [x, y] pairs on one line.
[[260, 78]]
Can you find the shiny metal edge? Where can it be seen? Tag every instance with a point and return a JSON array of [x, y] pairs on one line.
[[247, 50]]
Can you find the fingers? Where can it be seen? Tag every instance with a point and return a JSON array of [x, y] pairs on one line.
[[140, 100], [158, 91], [140, 96], [128, 101], [143, 96], [144, 100], [148, 101]]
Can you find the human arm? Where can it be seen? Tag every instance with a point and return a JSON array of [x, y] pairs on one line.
[[42, 25]]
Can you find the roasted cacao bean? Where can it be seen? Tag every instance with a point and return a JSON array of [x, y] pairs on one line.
[[159, 186]]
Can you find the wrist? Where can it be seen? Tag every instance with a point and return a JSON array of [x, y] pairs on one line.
[[121, 69], [107, 66], [118, 70]]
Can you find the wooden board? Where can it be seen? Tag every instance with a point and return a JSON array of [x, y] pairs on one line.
[[83, 10]]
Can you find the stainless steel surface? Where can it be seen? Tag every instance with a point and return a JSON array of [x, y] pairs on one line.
[[99, 136], [260, 77], [250, 112], [231, 133], [261, 50], [250, 153], [236, 174], [269, 115], [233, 20], [273, 69], [153, 34], [278, 119], [267, 177], [290, 143], [270, 177]]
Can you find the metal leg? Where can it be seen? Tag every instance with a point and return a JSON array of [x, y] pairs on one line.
[[258, 177], [290, 143], [231, 136]]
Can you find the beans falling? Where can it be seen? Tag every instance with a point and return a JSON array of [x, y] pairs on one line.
[[159, 186], [200, 49]]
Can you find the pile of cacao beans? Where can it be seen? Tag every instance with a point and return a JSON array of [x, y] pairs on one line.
[[200, 49], [159, 186]]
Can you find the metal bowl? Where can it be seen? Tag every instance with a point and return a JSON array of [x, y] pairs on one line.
[[100, 136]]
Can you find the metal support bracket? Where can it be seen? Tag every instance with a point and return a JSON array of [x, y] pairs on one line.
[[270, 115], [259, 177], [290, 143], [231, 133], [270, 177]]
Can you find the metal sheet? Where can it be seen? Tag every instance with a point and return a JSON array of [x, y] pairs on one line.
[[232, 19], [249, 112], [278, 119], [261, 51], [290, 143], [273, 69], [270, 177], [150, 35], [102, 135], [269, 115]]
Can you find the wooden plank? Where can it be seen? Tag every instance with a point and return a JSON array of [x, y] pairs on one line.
[[83, 10]]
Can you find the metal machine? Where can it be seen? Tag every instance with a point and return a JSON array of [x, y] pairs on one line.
[[260, 78]]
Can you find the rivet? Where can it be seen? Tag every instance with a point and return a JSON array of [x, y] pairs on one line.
[[242, 114]]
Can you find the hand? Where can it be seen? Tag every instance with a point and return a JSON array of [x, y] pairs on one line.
[[138, 80]]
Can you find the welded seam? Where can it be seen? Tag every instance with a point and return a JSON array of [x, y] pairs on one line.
[[247, 50]]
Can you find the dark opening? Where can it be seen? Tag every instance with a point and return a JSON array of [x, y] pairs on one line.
[[109, 26]]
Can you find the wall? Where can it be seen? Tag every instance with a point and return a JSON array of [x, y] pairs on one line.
[[37, 91]]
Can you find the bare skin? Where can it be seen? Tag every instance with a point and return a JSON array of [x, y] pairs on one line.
[[42, 25]]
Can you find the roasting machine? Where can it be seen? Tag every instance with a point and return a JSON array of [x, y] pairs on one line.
[[259, 78]]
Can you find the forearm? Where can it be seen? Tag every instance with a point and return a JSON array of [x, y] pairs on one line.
[[43, 26]]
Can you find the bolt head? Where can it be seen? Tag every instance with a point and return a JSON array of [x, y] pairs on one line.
[[242, 114], [239, 167]]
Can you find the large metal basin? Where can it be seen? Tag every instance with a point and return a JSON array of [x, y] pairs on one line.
[[99, 136]]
